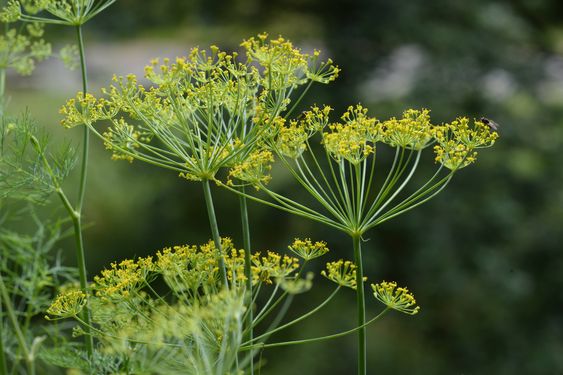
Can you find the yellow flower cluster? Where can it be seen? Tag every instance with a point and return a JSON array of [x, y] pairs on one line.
[[190, 269], [253, 170], [85, 110], [356, 136], [205, 111], [342, 273], [457, 142], [321, 71], [413, 130], [308, 250], [187, 267], [122, 139], [124, 278], [67, 304], [291, 140], [399, 299], [273, 266], [315, 119], [349, 140], [286, 66]]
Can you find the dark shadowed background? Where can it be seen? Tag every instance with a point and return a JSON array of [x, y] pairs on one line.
[[484, 258]]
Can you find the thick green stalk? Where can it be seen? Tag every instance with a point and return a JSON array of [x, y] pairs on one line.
[[247, 268], [86, 135], [215, 231], [76, 214], [15, 325], [360, 304]]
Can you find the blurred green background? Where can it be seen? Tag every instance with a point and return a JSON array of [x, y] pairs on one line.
[[484, 258]]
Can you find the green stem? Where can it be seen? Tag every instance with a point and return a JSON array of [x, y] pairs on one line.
[[86, 136], [316, 339], [3, 75], [76, 214], [2, 90], [215, 231], [81, 263], [360, 304], [14, 321], [3, 361], [300, 318], [247, 268]]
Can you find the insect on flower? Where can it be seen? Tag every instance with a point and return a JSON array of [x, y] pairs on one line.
[[490, 123]]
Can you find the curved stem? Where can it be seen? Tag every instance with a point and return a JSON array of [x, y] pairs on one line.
[[16, 326], [247, 268], [302, 317], [215, 231], [360, 305], [316, 339]]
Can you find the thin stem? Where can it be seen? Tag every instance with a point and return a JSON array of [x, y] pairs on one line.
[[215, 231], [296, 103], [247, 268], [316, 339], [360, 304], [2, 90], [86, 136], [3, 75], [81, 264], [76, 214], [14, 321], [302, 317], [3, 361]]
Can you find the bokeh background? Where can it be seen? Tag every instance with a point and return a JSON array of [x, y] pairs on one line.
[[484, 258]]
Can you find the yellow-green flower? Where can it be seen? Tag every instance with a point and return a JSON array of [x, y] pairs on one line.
[[413, 130], [342, 273], [291, 140], [274, 265], [308, 250], [457, 142], [67, 304], [353, 139], [395, 298], [254, 170]]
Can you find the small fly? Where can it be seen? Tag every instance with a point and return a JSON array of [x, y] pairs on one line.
[[490, 123]]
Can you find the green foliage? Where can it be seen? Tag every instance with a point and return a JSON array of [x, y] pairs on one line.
[[21, 48], [194, 325], [31, 167], [31, 271]]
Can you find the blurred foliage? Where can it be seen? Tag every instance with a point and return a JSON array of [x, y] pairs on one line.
[[483, 259]]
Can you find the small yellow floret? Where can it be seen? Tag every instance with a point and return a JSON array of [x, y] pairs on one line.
[[399, 299]]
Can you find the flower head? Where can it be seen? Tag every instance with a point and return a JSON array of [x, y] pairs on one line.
[[67, 304], [254, 170], [413, 130], [206, 111], [308, 250], [63, 12], [399, 299], [457, 142], [342, 273], [273, 266]]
